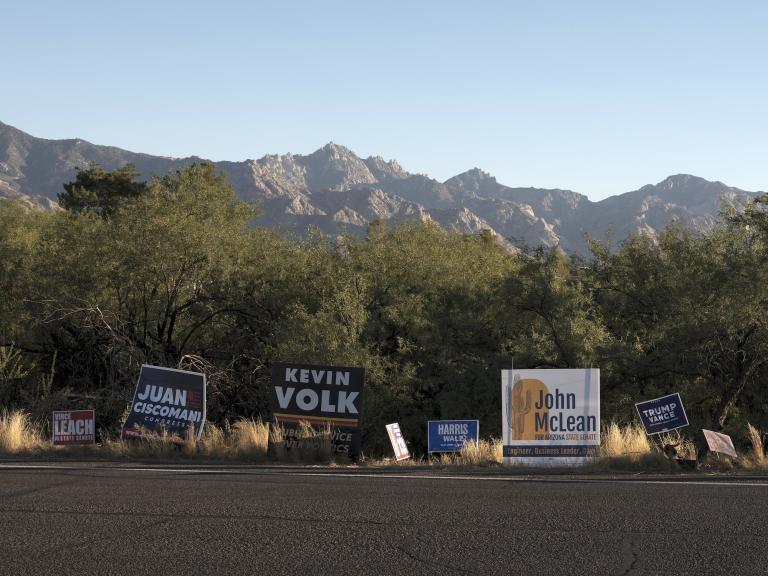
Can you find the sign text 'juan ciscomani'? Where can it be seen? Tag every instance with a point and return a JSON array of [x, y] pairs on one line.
[[321, 396], [550, 416], [166, 401]]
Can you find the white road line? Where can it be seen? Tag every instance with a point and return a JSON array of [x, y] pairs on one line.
[[387, 475]]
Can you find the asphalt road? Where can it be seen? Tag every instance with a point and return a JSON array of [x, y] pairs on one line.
[[258, 521]]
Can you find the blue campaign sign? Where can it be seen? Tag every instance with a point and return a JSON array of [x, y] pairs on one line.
[[662, 414], [451, 435]]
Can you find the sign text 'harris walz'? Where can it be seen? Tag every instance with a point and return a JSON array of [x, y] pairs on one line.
[[321, 396], [166, 401], [451, 435]]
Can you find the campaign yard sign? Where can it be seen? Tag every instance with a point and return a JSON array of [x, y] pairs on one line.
[[321, 396], [72, 427], [718, 442], [166, 401], [398, 442], [662, 414], [451, 435], [550, 416]]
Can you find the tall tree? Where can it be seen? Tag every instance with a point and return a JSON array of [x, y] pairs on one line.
[[97, 190], [689, 312], [550, 314]]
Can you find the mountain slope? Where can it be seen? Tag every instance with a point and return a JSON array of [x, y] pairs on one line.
[[335, 190]]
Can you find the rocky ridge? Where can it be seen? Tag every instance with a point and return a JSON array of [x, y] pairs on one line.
[[339, 192]]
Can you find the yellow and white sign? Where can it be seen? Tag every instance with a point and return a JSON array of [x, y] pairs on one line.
[[550, 416]]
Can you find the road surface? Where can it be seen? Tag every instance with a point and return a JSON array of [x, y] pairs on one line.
[[131, 519]]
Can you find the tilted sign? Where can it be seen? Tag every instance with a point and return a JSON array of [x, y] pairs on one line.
[[451, 435], [166, 402], [550, 417], [321, 396], [398, 442], [662, 414], [73, 427], [718, 442]]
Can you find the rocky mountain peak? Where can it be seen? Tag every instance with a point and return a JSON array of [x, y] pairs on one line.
[[333, 150], [471, 176], [383, 170], [688, 189], [335, 167], [333, 187], [682, 180], [474, 182]]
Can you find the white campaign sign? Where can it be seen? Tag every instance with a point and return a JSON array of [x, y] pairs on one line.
[[720, 443], [550, 416], [398, 442]]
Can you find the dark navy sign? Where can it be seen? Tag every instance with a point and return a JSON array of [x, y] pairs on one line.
[[451, 435], [166, 401], [662, 414]]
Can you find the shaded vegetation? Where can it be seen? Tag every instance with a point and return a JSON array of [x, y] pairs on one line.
[[173, 273]]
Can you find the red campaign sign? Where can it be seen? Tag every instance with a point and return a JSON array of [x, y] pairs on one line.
[[73, 427]]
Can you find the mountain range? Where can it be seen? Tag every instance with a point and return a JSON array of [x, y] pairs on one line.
[[337, 191]]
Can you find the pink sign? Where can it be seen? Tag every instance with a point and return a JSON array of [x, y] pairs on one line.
[[720, 443]]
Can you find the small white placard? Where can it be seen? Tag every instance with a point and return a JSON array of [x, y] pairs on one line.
[[398, 442]]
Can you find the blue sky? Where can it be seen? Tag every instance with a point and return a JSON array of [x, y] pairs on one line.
[[599, 97]]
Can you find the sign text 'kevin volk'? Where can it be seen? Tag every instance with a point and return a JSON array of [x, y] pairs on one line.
[[321, 396], [328, 391]]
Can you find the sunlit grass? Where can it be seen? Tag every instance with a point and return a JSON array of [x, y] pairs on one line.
[[18, 434], [628, 441], [252, 440], [758, 451]]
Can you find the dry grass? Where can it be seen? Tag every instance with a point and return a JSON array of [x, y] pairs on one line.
[[629, 441], [164, 446], [246, 439], [189, 443], [305, 443], [18, 434], [684, 448], [480, 453], [213, 443], [276, 443], [623, 447], [389, 461], [758, 451], [629, 448], [250, 438]]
